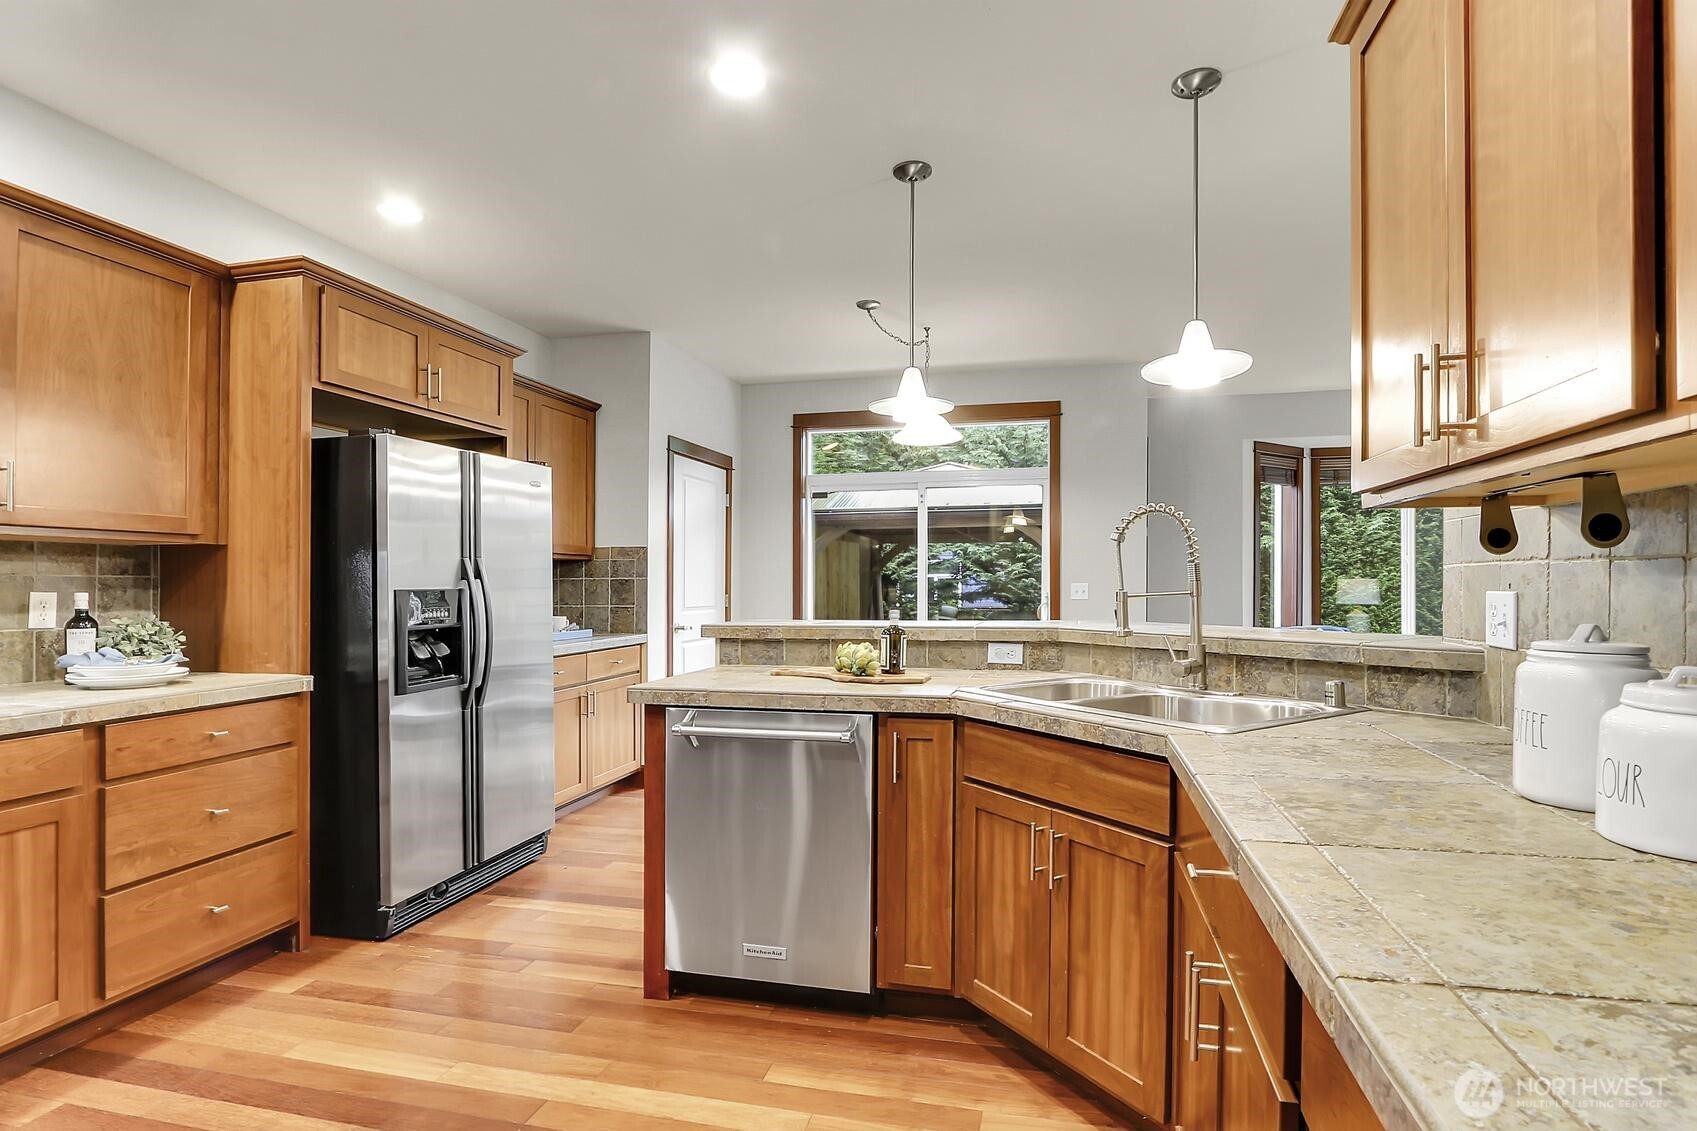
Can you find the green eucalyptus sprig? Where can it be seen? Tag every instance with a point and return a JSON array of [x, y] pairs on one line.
[[141, 638]]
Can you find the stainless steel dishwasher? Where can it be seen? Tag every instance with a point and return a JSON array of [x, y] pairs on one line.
[[769, 846]]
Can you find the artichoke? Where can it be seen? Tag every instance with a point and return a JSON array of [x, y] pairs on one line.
[[858, 658]]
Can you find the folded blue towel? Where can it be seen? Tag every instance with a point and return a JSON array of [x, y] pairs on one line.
[[111, 657], [566, 634]]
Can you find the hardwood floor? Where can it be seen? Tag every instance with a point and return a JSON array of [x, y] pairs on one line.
[[523, 1006]]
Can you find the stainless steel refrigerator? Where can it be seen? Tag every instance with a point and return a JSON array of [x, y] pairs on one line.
[[433, 732]]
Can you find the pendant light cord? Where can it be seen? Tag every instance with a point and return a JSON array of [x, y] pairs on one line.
[[1195, 208], [912, 319]]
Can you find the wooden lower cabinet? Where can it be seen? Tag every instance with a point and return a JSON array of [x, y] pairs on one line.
[[916, 810], [1331, 1098], [1002, 909], [47, 926], [1108, 912], [597, 731]]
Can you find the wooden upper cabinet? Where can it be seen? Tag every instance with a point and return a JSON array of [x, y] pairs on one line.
[[1404, 226], [1002, 909], [916, 813], [1679, 54], [1108, 957], [110, 384], [469, 381], [562, 435], [1505, 212], [373, 349], [518, 425], [1561, 220]]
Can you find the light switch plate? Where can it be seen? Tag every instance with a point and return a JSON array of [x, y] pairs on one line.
[[1502, 618], [1006, 654], [1080, 591], [44, 610]]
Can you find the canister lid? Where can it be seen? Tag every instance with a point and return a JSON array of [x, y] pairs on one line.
[[1590, 639], [1676, 694]]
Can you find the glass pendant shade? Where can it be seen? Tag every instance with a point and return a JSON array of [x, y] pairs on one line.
[[911, 400], [1197, 364], [930, 431]]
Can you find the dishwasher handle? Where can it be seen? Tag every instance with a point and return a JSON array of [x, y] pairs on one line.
[[689, 729]]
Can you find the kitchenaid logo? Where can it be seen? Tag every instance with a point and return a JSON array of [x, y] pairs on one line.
[[1620, 781], [758, 950], [1529, 727], [1479, 1092]]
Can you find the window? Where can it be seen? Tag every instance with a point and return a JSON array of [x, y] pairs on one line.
[[1318, 558], [964, 532]]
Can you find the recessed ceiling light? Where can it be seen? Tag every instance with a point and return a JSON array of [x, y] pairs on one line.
[[400, 210], [737, 74]]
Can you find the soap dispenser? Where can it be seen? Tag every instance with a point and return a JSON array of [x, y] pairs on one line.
[[892, 650]]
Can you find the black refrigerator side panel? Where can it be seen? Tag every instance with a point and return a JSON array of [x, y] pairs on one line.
[[345, 833]]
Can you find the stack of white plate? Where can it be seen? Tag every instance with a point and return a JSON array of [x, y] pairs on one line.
[[112, 677]]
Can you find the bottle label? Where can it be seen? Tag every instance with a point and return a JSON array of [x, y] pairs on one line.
[[79, 640]]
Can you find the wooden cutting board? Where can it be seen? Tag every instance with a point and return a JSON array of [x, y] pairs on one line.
[[836, 676]]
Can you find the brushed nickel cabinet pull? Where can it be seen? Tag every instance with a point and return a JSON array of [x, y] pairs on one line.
[[1054, 876], [10, 467], [1036, 867], [217, 812], [1194, 872], [895, 757], [219, 908], [1420, 368], [217, 734]]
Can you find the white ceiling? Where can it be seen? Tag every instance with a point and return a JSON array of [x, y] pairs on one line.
[[579, 175]]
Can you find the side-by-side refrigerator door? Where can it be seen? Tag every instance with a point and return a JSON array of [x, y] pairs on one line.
[[422, 763], [513, 709]]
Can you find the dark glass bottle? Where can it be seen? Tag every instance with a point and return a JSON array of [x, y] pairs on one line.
[[82, 629]]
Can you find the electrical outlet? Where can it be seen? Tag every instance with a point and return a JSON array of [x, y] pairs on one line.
[[1502, 618], [1080, 591], [44, 610], [1006, 654]]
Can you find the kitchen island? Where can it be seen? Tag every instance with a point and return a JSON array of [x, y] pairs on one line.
[[1450, 938]]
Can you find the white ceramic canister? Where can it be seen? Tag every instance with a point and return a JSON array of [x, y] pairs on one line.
[[1647, 767], [1561, 692]]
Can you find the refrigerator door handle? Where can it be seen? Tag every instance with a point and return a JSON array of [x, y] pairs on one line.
[[477, 630], [486, 646], [468, 639]]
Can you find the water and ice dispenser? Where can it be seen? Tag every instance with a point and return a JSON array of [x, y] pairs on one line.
[[432, 649]]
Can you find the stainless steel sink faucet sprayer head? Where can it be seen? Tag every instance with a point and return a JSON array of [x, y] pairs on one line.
[[1194, 663]]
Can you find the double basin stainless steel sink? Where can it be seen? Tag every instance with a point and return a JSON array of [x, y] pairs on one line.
[[1213, 712]]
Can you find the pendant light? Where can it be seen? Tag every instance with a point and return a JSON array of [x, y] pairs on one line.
[[1197, 364], [913, 406]]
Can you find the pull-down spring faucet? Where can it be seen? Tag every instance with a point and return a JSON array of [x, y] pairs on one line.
[[1195, 662]]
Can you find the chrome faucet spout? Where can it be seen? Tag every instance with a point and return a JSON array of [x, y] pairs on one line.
[[1195, 662]]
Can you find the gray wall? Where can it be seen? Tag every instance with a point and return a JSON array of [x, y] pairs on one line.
[[1102, 469], [1199, 460]]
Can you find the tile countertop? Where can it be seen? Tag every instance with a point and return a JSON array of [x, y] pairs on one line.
[[1374, 648], [599, 642], [1437, 921], [29, 707]]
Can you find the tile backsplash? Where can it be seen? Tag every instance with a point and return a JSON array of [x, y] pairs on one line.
[[120, 581], [1643, 591], [608, 592]]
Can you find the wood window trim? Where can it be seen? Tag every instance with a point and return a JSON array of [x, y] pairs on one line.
[[680, 447], [1317, 459], [1007, 412], [1291, 538]]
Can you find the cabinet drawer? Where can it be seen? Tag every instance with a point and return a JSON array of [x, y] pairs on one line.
[[195, 736], [43, 763], [164, 822], [615, 661], [571, 670], [1257, 969], [1118, 787], [169, 925]]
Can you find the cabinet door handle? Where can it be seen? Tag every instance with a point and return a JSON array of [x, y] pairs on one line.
[[1194, 981], [217, 812], [1036, 867], [590, 700], [895, 757], [10, 467], [219, 908], [217, 734], [1420, 369], [1194, 872], [1054, 876]]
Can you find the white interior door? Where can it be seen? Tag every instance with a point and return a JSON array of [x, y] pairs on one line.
[[700, 525]]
